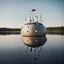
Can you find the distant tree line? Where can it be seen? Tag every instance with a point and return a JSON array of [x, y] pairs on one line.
[[50, 30], [55, 28], [10, 29]]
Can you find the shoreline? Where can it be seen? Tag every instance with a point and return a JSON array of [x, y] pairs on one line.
[[50, 30]]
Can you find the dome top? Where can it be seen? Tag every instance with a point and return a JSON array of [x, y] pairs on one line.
[[33, 23]]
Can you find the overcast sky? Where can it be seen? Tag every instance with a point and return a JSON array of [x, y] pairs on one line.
[[13, 12]]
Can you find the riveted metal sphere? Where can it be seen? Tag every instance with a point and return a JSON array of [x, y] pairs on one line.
[[33, 29]]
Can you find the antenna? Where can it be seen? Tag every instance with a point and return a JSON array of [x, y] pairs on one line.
[[30, 18], [41, 18], [25, 18], [36, 18]]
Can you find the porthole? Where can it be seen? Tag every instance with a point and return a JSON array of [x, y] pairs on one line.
[[35, 30], [35, 40], [27, 31]]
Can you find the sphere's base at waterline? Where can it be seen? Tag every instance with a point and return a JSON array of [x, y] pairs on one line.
[[33, 35]]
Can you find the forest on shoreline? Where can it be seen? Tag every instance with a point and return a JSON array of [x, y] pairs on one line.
[[50, 30], [55, 30]]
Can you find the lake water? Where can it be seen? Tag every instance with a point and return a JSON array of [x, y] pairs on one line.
[[14, 50]]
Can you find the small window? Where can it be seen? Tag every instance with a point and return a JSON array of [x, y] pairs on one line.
[[27, 31], [35, 40], [35, 30]]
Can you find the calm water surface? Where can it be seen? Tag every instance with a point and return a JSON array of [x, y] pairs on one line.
[[14, 51]]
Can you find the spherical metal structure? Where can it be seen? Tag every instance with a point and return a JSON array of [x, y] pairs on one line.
[[33, 29]]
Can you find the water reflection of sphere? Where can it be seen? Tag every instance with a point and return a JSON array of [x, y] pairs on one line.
[[34, 45], [34, 41]]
